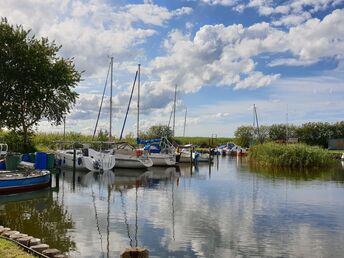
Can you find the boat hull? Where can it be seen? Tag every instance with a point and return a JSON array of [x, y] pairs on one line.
[[24, 184], [132, 162], [163, 159]]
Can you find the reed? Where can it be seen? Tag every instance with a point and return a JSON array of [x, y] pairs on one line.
[[292, 155]]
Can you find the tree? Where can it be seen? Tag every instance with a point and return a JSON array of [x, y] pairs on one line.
[[35, 82], [244, 135], [157, 131]]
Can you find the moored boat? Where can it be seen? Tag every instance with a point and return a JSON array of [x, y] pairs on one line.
[[17, 181], [129, 157]]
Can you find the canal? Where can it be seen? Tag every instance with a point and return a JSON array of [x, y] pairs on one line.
[[224, 210]]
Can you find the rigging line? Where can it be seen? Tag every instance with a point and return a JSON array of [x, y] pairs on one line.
[[126, 218], [169, 121], [97, 220], [101, 103], [108, 223], [126, 115], [136, 227]]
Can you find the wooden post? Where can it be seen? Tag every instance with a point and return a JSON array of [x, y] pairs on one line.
[[135, 252], [191, 156], [74, 165]]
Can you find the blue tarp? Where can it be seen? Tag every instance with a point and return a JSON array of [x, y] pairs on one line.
[[139, 141]]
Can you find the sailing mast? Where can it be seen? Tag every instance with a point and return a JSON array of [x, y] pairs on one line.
[[186, 110], [138, 103], [110, 132], [174, 110], [256, 116]]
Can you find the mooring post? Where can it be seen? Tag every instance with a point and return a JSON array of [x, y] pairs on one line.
[[191, 156], [74, 165], [57, 178]]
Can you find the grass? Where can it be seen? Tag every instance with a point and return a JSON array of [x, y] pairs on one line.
[[291, 155], [9, 249]]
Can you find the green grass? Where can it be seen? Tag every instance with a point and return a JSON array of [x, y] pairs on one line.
[[291, 155], [9, 249]]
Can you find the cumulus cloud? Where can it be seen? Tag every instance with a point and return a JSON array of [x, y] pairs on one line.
[[91, 30]]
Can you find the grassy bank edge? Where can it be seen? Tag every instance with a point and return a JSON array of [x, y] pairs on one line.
[[8, 249]]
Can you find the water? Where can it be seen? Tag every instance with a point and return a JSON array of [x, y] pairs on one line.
[[225, 210]]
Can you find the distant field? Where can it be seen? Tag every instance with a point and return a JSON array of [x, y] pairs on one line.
[[203, 141]]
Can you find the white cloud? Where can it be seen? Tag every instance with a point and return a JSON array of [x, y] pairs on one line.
[[91, 30]]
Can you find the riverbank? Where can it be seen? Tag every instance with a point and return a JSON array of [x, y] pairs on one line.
[[289, 155], [9, 249]]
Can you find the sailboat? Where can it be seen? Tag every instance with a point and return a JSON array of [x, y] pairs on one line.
[[127, 156], [161, 151]]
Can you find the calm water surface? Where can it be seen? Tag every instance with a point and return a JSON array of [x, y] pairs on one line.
[[224, 210]]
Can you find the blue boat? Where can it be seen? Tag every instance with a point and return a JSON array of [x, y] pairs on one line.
[[18, 181]]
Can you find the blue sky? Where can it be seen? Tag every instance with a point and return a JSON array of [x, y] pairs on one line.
[[224, 55]]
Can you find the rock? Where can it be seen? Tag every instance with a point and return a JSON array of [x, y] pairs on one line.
[[51, 252], [35, 241], [60, 256], [9, 233], [19, 235], [135, 252], [25, 240], [40, 248], [4, 230]]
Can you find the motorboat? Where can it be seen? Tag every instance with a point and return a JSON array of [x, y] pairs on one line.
[[187, 153], [18, 181], [86, 159]]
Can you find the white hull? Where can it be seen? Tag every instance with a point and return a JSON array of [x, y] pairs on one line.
[[126, 161], [95, 161], [160, 159], [185, 157], [66, 160]]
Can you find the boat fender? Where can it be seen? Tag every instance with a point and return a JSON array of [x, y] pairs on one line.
[[138, 153], [96, 165], [79, 161]]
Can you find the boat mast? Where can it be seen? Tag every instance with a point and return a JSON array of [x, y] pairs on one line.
[[174, 110], [138, 103], [255, 112], [186, 110], [286, 128], [110, 134]]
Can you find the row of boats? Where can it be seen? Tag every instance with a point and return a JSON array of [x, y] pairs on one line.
[[231, 149], [156, 152]]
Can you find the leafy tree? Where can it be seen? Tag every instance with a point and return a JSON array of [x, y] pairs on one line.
[[157, 131], [35, 82], [244, 135]]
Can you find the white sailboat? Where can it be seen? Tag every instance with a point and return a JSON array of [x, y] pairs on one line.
[[129, 157]]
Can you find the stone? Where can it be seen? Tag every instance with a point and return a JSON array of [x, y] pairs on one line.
[[60, 256], [9, 233], [51, 252], [4, 230], [35, 241], [135, 252], [18, 235], [25, 240], [40, 248]]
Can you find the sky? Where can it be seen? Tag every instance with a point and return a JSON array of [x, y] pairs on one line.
[[286, 57]]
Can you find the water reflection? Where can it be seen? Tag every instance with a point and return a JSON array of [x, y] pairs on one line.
[[223, 209], [40, 215]]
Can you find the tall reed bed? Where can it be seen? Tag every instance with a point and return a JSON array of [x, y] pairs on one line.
[[292, 155]]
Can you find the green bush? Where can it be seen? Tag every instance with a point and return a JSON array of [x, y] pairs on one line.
[[293, 155]]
